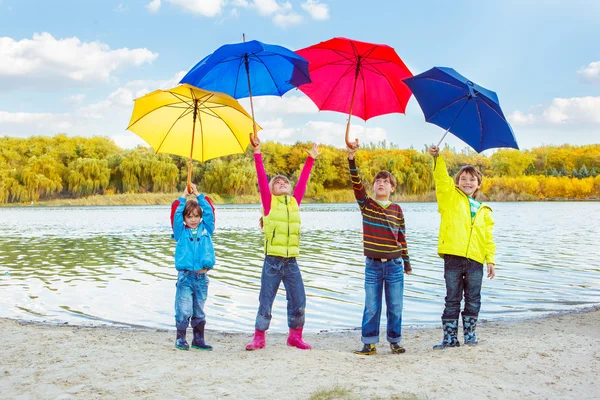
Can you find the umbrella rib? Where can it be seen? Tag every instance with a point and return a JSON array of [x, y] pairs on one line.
[[446, 106], [336, 84], [183, 114], [483, 98], [390, 83], [237, 77], [480, 125], [158, 108], [270, 74]]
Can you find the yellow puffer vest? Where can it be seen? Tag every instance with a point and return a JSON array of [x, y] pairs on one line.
[[282, 227], [461, 235]]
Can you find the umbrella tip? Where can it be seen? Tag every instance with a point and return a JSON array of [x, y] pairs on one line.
[[244, 36]]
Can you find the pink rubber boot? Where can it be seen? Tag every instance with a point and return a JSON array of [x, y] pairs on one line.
[[295, 339], [258, 342]]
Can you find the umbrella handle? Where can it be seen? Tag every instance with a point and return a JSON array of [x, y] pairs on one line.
[[348, 142]]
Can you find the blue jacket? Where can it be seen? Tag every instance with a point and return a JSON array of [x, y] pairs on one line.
[[194, 254]]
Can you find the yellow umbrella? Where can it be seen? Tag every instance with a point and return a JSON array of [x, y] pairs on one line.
[[167, 119]]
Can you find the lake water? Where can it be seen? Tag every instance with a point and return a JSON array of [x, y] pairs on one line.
[[114, 265]]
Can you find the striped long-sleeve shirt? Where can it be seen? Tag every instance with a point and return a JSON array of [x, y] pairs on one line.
[[384, 233]]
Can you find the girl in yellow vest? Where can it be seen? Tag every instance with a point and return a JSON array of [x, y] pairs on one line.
[[281, 226], [465, 242]]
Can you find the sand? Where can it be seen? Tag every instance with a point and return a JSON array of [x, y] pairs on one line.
[[555, 357]]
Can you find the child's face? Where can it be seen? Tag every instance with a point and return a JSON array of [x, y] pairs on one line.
[[382, 188], [468, 183], [281, 186], [192, 220]]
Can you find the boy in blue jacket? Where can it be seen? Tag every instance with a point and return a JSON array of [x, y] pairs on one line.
[[193, 226]]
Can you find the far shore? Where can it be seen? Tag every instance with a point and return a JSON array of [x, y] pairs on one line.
[[554, 357], [338, 196]]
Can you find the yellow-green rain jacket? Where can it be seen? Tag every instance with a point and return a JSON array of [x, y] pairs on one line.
[[461, 235]]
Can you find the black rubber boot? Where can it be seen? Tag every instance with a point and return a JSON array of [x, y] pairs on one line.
[[367, 350], [450, 331], [198, 342], [396, 348], [181, 343]]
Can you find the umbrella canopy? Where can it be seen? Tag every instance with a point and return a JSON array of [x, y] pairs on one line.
[[191, 122], [249, 69], [271, 70], [357, 78], [469, 111]]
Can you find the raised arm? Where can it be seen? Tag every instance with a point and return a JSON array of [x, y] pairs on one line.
[[300, 188], [208, 218], [444, 184], [263, 182], [359, 189], [178, 221]]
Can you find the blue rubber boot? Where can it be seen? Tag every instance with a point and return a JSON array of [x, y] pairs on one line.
[[469, 325], [450, 332], [198, 342]]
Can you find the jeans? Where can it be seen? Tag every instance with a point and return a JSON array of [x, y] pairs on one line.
[[462, 276], [380, 275], [277, 269], [192, 290]]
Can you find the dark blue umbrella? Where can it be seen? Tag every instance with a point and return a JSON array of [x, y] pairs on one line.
[[249, 68], [471, 112]]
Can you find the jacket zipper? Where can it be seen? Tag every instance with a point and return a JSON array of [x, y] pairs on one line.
[[287, 249]]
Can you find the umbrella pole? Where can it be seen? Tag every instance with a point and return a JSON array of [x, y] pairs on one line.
[[250, 91], [189, 178], [450, 127], [351, 105]]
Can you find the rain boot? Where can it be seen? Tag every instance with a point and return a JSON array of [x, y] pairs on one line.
[[450, 331], [367, 350], [469, 325], [396, 348], [295, 339], [258, 342], [198, 342], [181, 343]]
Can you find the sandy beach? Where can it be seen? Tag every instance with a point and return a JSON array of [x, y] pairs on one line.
[[556, 357]]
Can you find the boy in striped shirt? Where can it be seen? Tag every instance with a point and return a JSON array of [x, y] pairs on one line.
[[384, 243]]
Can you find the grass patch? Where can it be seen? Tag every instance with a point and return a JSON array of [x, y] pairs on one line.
[[335, 393]]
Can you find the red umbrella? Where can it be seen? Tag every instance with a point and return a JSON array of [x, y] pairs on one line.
[[358, 78]]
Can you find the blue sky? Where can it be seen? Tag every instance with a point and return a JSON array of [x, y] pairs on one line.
[[75, 66]]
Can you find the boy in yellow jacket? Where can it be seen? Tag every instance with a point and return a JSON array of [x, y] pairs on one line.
[[465, 243]]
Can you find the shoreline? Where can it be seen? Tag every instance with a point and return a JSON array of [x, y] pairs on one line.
[[554, 356]]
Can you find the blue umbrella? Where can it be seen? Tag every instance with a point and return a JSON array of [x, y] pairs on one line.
[[471, 112], [250, 68]]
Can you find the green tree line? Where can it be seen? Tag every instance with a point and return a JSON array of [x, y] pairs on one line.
[[44, 168]]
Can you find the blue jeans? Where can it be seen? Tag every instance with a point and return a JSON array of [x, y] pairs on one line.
[[462, 276], [379, 275], [192, 290], [277, 269]]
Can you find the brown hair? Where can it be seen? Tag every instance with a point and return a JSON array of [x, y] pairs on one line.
[[190, 207], [386, 175], [469, 169]]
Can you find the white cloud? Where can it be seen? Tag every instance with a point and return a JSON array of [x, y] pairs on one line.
[[317, 10], [287, 19], [208, 8], [269, 7], [108, 117], [46, 62], [75, 99], [519, 118], [23, 124], [120, 8], [240, 3], [574, 112], [153, 6], [285, 105], [591, 73]]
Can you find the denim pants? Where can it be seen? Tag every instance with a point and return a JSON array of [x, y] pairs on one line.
[[277, 269], [192, 290], [380, 275], [462, 276]]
